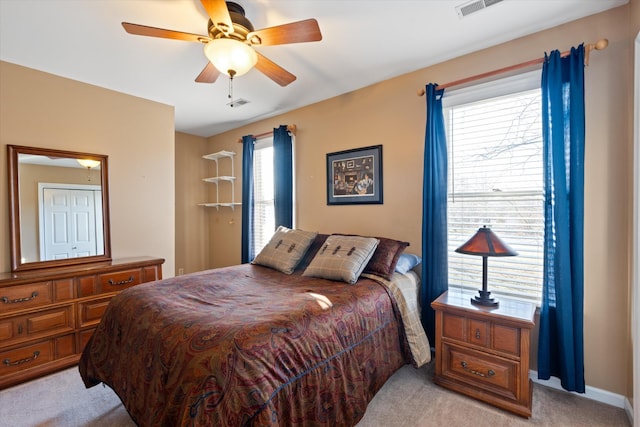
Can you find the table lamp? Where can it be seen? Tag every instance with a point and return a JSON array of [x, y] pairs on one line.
[[485, 244]]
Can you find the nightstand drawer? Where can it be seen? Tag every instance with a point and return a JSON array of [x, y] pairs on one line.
[[482, 370], [482, 333], [506, 339]]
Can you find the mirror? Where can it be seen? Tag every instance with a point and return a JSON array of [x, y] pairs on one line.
[[59, 208]]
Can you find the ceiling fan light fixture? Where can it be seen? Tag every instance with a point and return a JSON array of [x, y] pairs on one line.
[[230, 56], [88, 163]]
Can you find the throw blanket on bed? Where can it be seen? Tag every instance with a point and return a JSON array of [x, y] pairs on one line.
[[247, 345], [405, 293]]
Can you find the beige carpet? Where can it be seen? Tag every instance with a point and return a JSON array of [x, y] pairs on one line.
[[408, 399]]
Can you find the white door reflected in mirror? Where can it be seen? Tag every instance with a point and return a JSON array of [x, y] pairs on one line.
[[70, 218]]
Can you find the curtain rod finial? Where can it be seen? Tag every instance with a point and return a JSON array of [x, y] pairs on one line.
[[601, 44], [421, 92]]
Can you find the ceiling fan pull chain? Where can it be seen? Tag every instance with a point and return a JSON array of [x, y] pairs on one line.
[[230, 96]]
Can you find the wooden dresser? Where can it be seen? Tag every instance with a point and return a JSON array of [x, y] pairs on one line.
[[47, 316], [484, 352]]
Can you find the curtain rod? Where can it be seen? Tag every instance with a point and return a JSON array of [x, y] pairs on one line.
[[599, 45], [291, 128]]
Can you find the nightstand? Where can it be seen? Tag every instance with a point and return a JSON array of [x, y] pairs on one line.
[[484, 352]]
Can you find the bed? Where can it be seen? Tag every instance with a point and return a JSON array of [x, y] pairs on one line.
[[252, 345]]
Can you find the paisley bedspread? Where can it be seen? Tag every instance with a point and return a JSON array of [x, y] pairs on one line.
[[247, 345]]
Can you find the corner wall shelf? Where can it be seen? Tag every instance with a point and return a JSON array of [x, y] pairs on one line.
[[224, 178]]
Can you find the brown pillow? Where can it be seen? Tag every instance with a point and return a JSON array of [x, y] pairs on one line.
[[384, 260]]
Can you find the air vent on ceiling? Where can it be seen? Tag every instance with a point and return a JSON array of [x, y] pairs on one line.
[[474, 6], [238, 102]]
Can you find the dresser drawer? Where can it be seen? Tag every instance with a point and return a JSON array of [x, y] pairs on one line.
[[109, 282], [84, 337], [19, 297], [90, 312], [87, 286], [152, 273], [481, 370], [36, 325], [36, 354], [115, 282]]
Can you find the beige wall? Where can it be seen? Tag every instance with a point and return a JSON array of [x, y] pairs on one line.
[[634, 27], [192, 228], [42, 110], [634, 18], [390, 113]]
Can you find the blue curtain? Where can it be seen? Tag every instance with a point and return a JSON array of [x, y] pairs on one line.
[[283, 177], [247, 199], [561, 347], [434, 210]]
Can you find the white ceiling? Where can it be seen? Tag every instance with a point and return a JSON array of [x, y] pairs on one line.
[[364, 42]]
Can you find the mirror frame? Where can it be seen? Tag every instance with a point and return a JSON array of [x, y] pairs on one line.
[[14, 208]]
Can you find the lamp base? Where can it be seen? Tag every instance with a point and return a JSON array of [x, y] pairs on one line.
[[484, 299]]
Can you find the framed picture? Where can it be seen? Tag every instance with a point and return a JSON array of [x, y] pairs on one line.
[[355, 176]]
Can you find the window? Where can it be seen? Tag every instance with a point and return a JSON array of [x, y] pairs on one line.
[[264, 213], [496, 179]]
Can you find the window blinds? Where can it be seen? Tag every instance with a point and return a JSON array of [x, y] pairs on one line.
[[264, 214], [495, 179]]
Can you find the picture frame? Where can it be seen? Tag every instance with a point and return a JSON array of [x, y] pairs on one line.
[[354, 176]]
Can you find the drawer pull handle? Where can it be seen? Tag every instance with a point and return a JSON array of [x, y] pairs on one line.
[[489, 373], [8, 362], [121, 282], [6, 300], [477, 334]]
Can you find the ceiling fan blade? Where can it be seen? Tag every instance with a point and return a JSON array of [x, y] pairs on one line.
[[209, 74], [294, 32], [219, 14], [143, 30], [274, 71]]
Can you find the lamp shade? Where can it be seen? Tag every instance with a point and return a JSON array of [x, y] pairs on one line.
[[486, 243], [230, 56]]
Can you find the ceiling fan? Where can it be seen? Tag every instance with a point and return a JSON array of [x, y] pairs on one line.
[[229, 45]]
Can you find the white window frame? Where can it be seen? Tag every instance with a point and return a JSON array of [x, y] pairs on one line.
[[258, 244], [505, 86]]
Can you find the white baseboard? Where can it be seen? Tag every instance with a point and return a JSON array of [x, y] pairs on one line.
[[592, 393]]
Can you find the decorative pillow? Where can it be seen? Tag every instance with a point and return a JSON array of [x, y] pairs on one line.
[[342, 258], [384, 259], [285, 249], [406, 262]]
